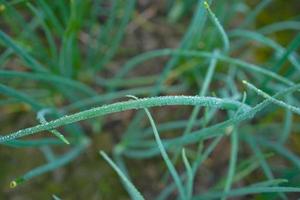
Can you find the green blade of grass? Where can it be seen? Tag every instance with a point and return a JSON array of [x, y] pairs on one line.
[[191, 36], [4, 57], [215, 129], [280, 26], [257, 151], [33, 143], [165, 156], [8, 91], [220, 28], [29, 60], [56, 197], [189, 172], [41, 117], [188, 53], [119, 160], [232, 162], [118, 38], [143, 80], [69, 50], [100, 99], [203, 91], [46, 29], [48, 153], [51, 16], [292, 47], [280, 149], [273, 100], [273, 182], [58, 162], [288, 122], [53, 79], [132, 189], [127, 105], [243, 170], [104, 33], [268, 42], [255, 12], [263, 162], [163, 127], [234, 138]]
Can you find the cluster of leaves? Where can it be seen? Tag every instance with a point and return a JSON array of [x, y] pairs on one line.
[[59, 49]]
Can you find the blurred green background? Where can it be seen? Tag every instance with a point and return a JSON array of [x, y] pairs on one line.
[[154, 24]]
